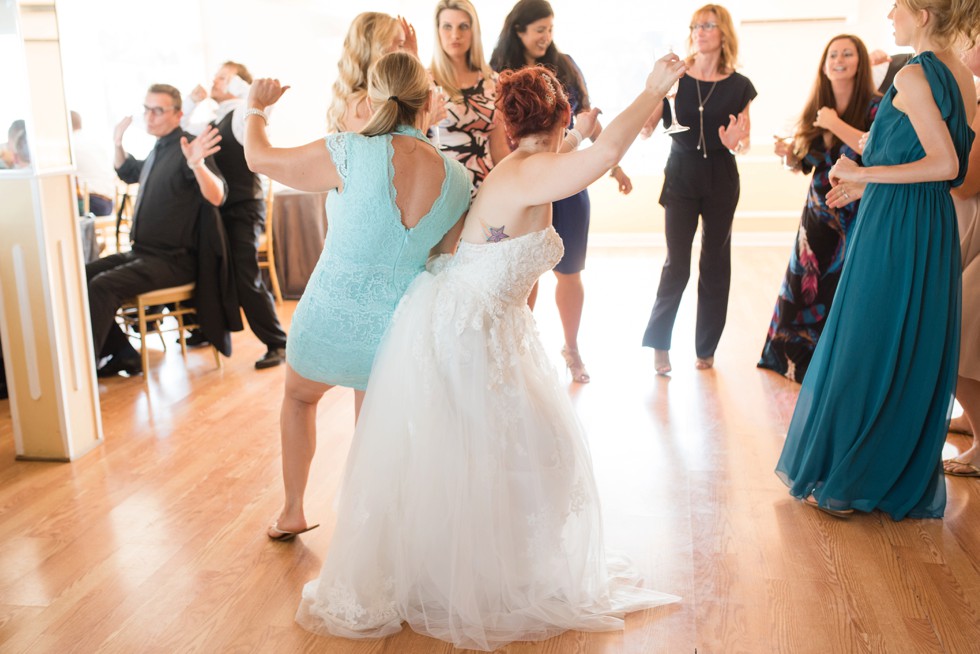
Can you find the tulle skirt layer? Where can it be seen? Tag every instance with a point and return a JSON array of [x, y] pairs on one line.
[[469, 508]]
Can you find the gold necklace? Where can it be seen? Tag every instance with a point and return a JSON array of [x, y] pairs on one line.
[[702, 145]]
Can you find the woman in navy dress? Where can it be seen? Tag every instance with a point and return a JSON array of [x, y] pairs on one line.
[[526, 39], [871, 417]]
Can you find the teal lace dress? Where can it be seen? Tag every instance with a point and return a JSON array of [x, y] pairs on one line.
[[369, 258], [871, 417]]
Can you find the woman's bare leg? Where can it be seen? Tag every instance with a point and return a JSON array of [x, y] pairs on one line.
[[968, 395], [570, 298], [358, 401], [297, 423]]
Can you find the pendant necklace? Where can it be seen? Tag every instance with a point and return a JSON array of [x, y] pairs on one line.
[[702, 145]]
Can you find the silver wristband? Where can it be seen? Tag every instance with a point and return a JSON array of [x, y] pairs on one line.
[[257, 112]]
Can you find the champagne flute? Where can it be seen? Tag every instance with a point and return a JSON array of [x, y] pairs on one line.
[[786, 140], [675, 125], [436, 139]]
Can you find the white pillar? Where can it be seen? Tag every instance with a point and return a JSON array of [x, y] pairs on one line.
[[44, 318]]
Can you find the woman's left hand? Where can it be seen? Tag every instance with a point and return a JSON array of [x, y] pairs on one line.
[[735, 132], [844, 193], [845, 170], [625, 184], [826, 118]]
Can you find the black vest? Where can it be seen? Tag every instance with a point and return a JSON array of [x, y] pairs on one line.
[[243, 184]]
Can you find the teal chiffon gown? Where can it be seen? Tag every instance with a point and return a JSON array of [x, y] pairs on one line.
[[871, 417]]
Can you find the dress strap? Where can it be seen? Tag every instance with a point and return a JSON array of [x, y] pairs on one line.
[[408, 130]]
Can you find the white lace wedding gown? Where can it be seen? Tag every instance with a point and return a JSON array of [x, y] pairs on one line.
[[469, 508]]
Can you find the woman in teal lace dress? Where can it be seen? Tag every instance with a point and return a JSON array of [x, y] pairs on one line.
[[394, 200], [871, 417]]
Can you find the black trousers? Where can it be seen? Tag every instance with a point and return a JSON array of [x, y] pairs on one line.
[[693, 187], [244, 223], [120, 276]]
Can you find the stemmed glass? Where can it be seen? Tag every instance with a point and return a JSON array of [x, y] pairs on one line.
[[445, 122], [675, 125]]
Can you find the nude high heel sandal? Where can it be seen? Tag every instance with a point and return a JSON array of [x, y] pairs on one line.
[[575, 366]]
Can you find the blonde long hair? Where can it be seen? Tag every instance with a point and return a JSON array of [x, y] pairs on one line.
[[442, 66], [369, 36], [729, 40], [398, 88]]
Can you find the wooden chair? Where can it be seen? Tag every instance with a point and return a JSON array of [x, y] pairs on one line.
[[103, 224], [125, 205], [267, 255], [139, 311]]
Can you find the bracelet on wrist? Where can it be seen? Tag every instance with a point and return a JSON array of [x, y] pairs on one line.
[[195, 166], [257, 112], [615, 169], [574, 137]]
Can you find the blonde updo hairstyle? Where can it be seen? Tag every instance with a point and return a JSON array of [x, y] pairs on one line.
[[398, 88], [955, 23], [368, 38]]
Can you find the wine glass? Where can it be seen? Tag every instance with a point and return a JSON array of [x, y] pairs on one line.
[[675, 125], [786, 140], [445, 122]]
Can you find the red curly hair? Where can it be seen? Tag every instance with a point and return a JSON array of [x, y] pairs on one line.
[[532, 101]]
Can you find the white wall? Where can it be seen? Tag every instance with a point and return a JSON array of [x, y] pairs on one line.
[[182, 42]]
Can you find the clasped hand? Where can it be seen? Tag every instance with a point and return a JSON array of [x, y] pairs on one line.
[[826, 118], [665, 73], [846, 183]]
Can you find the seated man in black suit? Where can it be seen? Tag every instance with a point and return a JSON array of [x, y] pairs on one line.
[[175, 179]]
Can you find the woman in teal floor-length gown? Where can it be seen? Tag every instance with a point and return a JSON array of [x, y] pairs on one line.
[[871, 417]]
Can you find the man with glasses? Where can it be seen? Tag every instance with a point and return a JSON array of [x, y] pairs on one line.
[[176, 179]]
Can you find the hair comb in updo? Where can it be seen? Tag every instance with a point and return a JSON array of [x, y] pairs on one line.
[[552, 91]]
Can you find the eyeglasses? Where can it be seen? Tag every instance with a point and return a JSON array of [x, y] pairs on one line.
[[156, 111], [707, 27]]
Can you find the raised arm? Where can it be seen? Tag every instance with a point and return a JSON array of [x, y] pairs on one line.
[[828, 119], [548, 177], [307, 167], [212, 185], [118, 152], [940, 162]]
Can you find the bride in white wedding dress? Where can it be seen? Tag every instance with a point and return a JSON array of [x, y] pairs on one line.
[[469, 508]]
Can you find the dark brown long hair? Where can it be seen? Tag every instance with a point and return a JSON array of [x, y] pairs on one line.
[[822, 95]]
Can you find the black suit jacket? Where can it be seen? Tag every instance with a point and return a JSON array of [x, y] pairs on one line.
[[215, 296]]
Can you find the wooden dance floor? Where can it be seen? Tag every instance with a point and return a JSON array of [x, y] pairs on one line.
[[156, 541]]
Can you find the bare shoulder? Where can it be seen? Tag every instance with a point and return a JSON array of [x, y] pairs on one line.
[[910, 79]]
